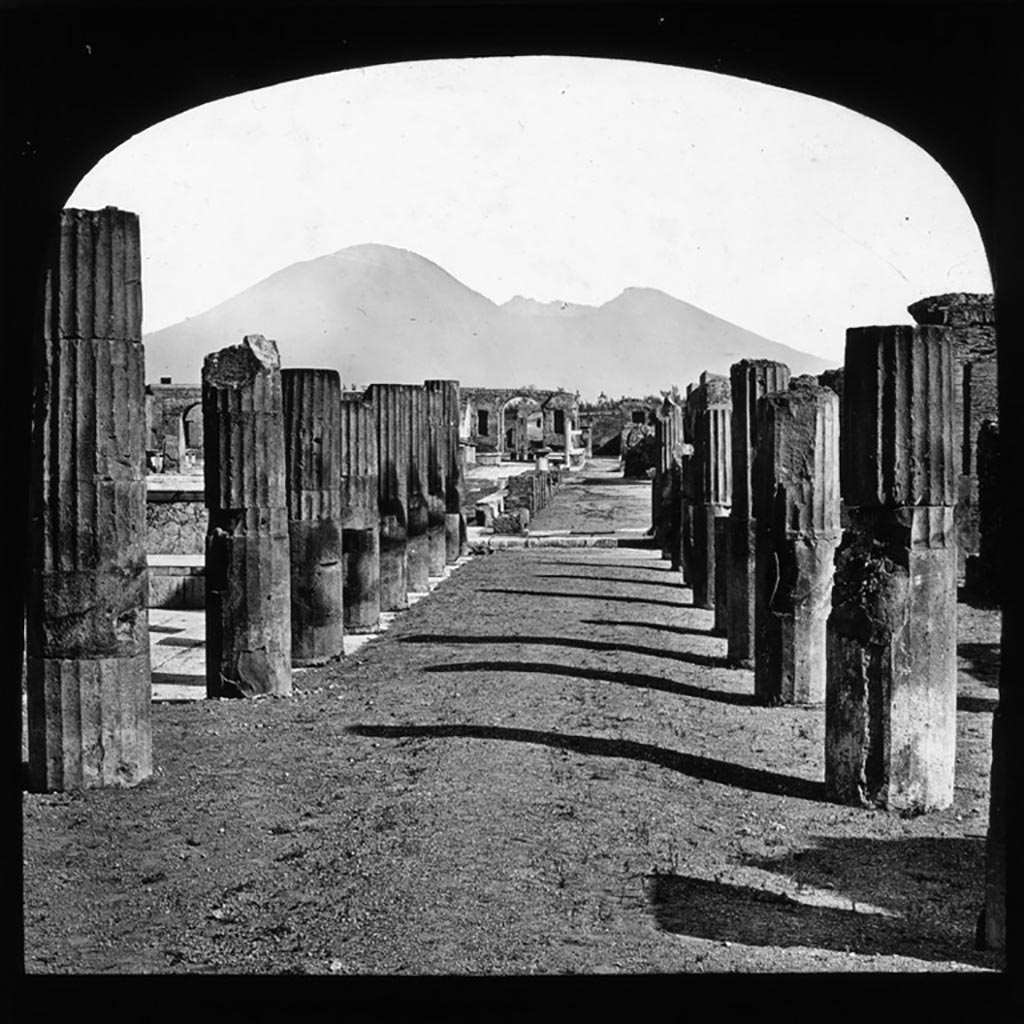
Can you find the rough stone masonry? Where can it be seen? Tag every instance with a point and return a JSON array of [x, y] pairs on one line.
[[88, 673], [248, 577], [890, 710], [796, 507]]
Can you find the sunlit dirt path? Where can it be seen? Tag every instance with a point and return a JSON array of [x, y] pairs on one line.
[[543, 767]]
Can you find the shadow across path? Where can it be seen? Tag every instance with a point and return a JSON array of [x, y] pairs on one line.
[[553, 668], [665, 628], [587, 578], [982, 661], [575, 643], [588, 597], [692, 765]]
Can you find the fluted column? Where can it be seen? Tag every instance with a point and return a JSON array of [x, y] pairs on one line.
[[795, 490], [713, 465], [442, 416], [417, 550], [890, 713], [749, 380], [248, 578], [668, 432], [360, 513], [454, 523], [390, 404], [312, 426], [88, 674]]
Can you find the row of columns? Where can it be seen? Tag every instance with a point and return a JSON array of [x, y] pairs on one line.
[[862, 620], [324, 511]]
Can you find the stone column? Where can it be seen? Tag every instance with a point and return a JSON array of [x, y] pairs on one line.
[[795, 491], [360, 514], [390, 402], [972, 324], [983, 569], [87, 640], [687, 487], [312, 415], [890, 711], [417, 552], [749, 380], [248, 577], [442, 417], [454, 526], [668, 431], [713, 458]]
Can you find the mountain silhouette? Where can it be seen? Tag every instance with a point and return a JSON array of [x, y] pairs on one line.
[[377, 313]]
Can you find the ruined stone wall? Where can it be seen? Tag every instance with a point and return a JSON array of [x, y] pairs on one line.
[[166, 404], [175, 527]]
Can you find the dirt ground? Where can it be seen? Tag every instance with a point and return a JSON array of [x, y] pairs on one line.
[[545, 767]]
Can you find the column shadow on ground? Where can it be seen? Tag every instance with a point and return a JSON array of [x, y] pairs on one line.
[[918, 897], [587, 597], [983, 661], [587, 578], [647, 565], [980, 705], [703, 660], [693, 765], [663, 627]]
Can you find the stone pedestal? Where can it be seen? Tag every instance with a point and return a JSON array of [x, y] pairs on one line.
[[312, 414], [361, 570], [795, 485], [360, 515], [749, 380], [890, 709], [87, 641], [248, 576]]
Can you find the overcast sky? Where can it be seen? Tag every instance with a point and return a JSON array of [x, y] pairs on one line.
[[553, 178]]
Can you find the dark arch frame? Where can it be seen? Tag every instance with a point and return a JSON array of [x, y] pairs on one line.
[[76, 83]]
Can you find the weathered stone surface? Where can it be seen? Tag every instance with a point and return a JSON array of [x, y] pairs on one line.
[[312, 430], [359, 462], [897, 438], [443, 466], [890, 707], [417, 507], [712, 432], [248, 587], [749, 380], [955, 309], [361, 572], [984, 570], [796, 510], [391, 406], [87, 645], [668, 431], [175, 527]]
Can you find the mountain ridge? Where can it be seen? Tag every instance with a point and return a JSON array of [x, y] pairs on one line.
[[378, 313]]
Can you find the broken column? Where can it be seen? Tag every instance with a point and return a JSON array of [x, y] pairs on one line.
[[890, 710], [248, 579], [417, 551], [750, 380], [972, 324], [360, 514], [795, 490], [312, 413], [687, 486], [87, 642], [442, 416], [390, 404], [713, 484]]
